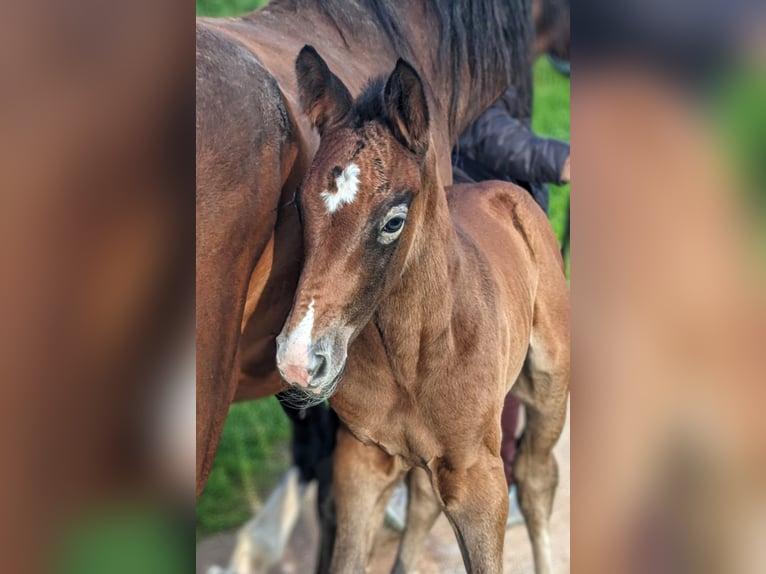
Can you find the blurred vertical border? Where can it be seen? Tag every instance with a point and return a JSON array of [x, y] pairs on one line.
[[668, 306], [97, 291]]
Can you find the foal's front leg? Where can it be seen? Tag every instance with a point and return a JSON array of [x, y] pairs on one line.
[[422, 511], [363, 478], [476, 503]]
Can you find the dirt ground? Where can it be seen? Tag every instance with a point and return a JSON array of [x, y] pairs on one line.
[[440, 555]]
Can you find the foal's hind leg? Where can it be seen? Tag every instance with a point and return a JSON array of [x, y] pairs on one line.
[[536, 474], [543, 386], [363, 478], [422, 511]]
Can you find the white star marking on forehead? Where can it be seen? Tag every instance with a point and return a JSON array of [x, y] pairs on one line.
[[347, 184]]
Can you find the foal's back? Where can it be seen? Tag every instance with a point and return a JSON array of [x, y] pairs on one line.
[[505, 222], [512, 232]]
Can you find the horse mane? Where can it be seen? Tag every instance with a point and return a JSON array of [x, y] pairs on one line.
[[501, 49], [489, 38]]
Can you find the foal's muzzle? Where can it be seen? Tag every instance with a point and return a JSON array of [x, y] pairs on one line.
[[313, 365]]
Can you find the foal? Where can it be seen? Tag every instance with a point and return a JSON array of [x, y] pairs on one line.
[[417, 310]]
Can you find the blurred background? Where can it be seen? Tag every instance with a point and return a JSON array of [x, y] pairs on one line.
[[97, 237], [669, 315]]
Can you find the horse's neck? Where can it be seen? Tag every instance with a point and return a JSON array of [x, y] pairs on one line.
[[356, 49], [473, 100]]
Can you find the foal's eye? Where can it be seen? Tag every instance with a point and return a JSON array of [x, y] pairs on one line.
[[393, 225], [394, 222]]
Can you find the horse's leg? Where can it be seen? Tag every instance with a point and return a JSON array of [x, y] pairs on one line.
[[476, 504], [219, 306], [543, 386], [242, 144], [422, 511], [313, 442], [565, 240], [328, 521], [363, 479]]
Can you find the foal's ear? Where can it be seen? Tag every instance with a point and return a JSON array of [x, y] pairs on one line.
[[324, 98], [406, 107]]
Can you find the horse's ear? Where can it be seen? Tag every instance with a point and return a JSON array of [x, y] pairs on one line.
[[406, 107], [324, 98]]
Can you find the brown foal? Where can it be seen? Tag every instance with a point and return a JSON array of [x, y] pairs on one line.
[[418, 308]]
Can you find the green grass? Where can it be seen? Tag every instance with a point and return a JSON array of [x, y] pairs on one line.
[[220, 8], [254, 446], [550, 117], [251, 456]]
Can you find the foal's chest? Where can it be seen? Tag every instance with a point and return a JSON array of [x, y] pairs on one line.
[[398, 432]]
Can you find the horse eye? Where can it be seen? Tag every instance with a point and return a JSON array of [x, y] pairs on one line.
[[393, 225]]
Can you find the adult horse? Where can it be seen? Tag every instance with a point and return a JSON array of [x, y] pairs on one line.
[[254, 145], [416, 311]]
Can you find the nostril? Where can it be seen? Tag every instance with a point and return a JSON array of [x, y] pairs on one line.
[[319, 367]]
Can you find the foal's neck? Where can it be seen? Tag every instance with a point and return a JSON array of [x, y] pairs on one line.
[[417, 319]]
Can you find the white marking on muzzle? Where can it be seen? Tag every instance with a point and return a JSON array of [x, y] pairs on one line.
[[302, 333], [296, 354], [347, 184]]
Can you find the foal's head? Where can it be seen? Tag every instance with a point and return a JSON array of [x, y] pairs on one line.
[[361, 204]]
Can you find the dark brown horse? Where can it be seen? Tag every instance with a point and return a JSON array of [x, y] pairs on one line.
[[254, 145], [417, 310]]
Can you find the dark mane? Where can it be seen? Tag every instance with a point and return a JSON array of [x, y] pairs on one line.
[[500, 49]]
